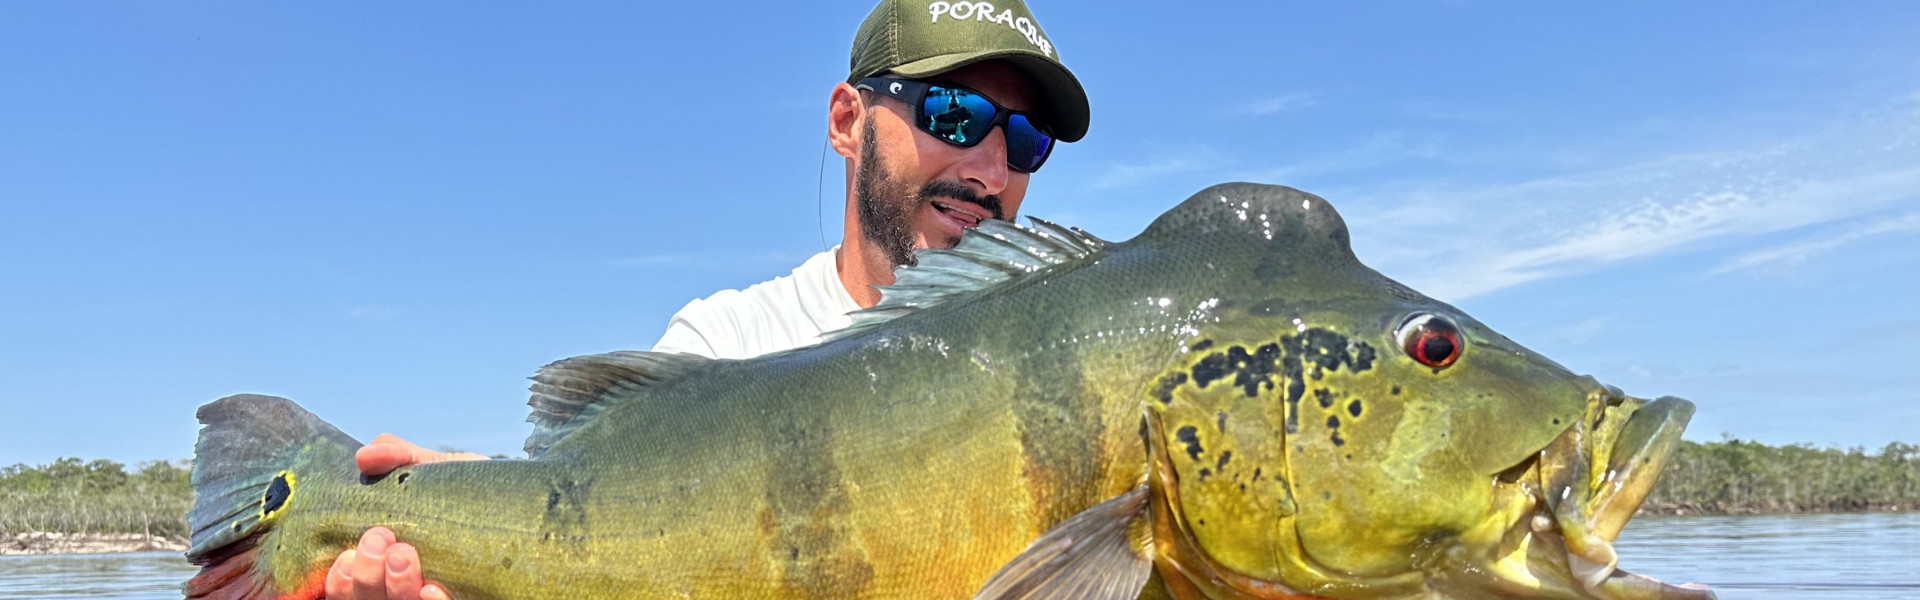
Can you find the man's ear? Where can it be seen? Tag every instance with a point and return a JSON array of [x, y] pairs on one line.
[[846, 114]]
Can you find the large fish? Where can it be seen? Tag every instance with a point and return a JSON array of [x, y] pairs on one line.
[[1227, 406]]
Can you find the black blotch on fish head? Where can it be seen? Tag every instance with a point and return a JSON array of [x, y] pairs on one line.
[[1201, 345], [1396, 390], [1189, 435], [1363, 357], [1353, 408], [1225, 455], [1296, 387], [1324, 396], [1220, 421], [1257, 371], [1210, 369], [1163, 390], [278, 491]]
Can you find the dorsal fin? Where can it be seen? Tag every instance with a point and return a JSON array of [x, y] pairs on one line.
[[569, 392], [990, 255]]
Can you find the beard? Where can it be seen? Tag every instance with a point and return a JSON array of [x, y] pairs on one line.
[[886, 206]]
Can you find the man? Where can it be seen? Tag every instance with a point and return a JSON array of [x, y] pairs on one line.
[[947, 111]]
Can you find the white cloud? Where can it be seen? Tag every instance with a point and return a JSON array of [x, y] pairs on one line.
[[1449, 112], [373, 312], [1130, 173], [1798, 252], [1459, 243], [683, 259], [1379, 149], [653, 260], [1580, 333], [1277, 103]]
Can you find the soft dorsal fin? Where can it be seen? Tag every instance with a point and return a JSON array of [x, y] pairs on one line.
[[569, 392], [992, 254]]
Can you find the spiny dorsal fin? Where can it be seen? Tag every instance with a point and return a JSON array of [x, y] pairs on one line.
[[569, 392], [992, 254]]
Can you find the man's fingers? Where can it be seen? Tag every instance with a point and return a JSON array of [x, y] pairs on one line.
[[339, 583], [368, 568], [403, 573], [434, 592], [388, 452]]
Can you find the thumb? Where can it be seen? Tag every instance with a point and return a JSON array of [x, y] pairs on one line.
[[388, 452]]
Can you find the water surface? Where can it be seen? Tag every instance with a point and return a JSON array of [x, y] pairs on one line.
[[1848, 556], [139, 576]]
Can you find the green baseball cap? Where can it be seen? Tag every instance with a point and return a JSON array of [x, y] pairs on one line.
[[921, 38]]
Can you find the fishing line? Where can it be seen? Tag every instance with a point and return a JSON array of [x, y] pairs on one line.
[[819, 204]]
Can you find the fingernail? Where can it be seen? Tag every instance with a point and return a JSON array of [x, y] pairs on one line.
[[396, 564], [374, 545]]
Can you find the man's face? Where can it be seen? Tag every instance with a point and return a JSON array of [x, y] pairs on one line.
[[916, 191]]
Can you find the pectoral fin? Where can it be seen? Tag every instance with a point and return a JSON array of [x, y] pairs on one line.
[[1103, 553]]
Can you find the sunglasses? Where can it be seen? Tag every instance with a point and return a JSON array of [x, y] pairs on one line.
[[963, 117]]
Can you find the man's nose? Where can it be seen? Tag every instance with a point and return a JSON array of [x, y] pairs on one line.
[[985, 164]]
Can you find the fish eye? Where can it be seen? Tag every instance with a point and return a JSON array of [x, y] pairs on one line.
[[1430, 340]]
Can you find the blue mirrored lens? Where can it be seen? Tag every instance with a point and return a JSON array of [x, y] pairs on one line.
[[1027, 146], [960, 116]]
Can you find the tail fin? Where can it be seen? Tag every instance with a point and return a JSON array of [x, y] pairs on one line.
[[248, 464]]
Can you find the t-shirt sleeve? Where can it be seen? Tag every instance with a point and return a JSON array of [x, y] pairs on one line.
[[692, 331]]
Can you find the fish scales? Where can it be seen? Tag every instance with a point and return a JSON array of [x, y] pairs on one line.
[[1217, 408]]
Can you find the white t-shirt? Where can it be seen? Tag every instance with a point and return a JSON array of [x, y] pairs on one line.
[[787, 312]]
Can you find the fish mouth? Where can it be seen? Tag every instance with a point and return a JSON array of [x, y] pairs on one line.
[[1586, 485]]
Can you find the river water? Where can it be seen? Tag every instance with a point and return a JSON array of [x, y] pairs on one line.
[[1861, 556]]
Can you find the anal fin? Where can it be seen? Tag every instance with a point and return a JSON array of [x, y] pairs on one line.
[[1103, 553]]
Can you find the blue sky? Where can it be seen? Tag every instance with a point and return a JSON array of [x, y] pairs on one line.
[[395, 212]]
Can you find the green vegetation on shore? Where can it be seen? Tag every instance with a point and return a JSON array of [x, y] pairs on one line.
[[1729, 476], [1735, 476], [102, 496]]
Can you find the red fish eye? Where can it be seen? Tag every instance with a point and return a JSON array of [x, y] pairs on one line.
[[1430, 340]]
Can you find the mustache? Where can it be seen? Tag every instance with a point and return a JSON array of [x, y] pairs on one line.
[[959, 191]]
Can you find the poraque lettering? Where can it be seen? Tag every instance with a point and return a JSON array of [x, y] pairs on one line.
[[983, 11]]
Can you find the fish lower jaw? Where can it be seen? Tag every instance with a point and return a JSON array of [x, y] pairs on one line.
[[1589, 557], [1568, 540]]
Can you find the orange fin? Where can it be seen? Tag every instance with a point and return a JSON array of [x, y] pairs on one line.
[[231, 576]]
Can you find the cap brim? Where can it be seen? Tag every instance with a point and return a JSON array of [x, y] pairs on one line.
[[1064, 102]]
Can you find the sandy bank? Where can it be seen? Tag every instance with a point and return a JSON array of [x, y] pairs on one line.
[[85, 543]]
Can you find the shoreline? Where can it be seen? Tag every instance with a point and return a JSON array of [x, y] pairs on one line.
[[1695, 510], [47, 543]]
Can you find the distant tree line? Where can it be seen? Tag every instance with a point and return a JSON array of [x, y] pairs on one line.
[[69, 495], [1736, 476], [1729, 476]]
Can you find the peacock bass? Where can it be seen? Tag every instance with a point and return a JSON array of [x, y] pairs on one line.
[[1229, 405]]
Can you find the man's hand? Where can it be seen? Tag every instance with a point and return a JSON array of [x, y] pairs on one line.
[[381, 568]]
